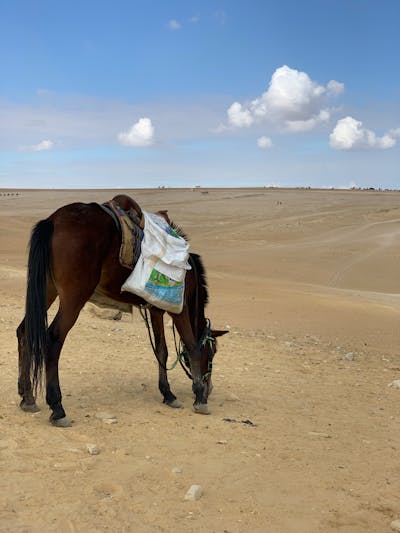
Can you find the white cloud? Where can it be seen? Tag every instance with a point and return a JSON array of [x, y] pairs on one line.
[[264, 142], [395, 133], [141, 134], [239, 117], [349, 134], [43, 146], [309, 124], [194, 20], [292, 100], [174, 25], [335, 88]]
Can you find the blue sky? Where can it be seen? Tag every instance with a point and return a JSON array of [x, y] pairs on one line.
[[214, 93]]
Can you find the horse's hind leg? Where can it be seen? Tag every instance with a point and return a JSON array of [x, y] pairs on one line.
[[58, 330], [157, 321], [28, 402]]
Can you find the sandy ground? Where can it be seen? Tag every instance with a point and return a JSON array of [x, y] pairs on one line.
[[308, 283]]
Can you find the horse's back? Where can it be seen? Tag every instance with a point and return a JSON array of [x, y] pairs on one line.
[[83, 236]]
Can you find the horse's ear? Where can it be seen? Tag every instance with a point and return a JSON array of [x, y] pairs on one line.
[[218, 333]]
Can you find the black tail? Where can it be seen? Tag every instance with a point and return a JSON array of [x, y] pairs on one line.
[[36, 299]]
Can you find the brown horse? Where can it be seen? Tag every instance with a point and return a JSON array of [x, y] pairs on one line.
[[74, 255]]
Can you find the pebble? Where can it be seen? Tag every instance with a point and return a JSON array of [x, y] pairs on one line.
[[230, 397], [222, 442], [396, 385], [194, 493], [395, 525], [110, 421], [92, 449], [319, 434], [349, 356], [105, 416], [177, 470], [107, 314]]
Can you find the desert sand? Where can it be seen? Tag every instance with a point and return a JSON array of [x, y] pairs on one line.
[[308, 283]]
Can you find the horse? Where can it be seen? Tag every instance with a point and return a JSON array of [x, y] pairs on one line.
[[74, 254]]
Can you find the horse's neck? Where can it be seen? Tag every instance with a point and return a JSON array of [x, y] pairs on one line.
[[198, 321]]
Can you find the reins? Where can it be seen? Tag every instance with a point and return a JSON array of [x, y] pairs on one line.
[[182, 355], [144, 314]]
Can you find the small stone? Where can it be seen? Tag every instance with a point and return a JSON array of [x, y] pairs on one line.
[[194, 493], [105, 416], [222, 442], [395, 525], [177, 470], [110, 421], [107, 314], [230, 397], [319, 434], [395, 384], [92, 449], [349, 356]]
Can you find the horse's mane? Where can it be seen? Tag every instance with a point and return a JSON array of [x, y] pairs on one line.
[[201, 271], [179, 230]]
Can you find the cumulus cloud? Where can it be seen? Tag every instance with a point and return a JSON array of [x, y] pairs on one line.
[[292, 99], [395, 133], [264, 142], [141, 134], [174, 25], [350, 134], [309, 124], [335, 88], [43, 146], [238, 116]]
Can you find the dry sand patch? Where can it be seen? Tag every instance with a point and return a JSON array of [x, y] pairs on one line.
[[303, 278]]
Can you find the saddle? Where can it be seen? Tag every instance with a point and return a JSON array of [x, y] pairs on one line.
[[129, 219]]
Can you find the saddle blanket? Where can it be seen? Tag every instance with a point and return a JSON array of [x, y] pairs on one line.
[[159, 274]]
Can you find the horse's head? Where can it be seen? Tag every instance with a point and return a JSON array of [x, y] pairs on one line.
[[208, 348], [207, 345]]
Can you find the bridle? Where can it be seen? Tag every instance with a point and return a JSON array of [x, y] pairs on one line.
[[182, 353]]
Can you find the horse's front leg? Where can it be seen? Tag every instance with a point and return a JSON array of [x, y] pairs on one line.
[[182, 323], [157, 321]]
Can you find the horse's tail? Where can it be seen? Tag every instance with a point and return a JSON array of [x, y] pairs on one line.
[[39, 263]]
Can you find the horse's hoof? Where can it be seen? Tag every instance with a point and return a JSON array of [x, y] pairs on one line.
[[29, 407], [176, 404], [201, 409], [61, 422]]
